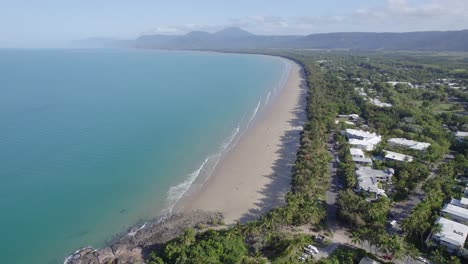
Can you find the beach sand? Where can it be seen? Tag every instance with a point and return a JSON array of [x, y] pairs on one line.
[[255, 175]]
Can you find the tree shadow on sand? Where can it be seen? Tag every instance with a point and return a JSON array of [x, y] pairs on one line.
[[273, 194]]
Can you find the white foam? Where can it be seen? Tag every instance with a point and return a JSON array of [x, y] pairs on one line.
[[133, 233], [227, 144], [252, 117], [76, 254], [268, 98], [176, 192]]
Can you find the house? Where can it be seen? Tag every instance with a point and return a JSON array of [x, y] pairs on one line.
[[362, 139], [359, 134], [381, 175], [359, 156], [407, 83], [367, 260], [460, 135], [394, 156], [455, 213], [368, 179], [452, 234], [378, 103], [409, 144], [463, 202]]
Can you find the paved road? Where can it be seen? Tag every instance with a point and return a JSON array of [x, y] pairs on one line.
[[332, 192]]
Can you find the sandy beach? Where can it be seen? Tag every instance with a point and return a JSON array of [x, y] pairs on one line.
[[254, 176]]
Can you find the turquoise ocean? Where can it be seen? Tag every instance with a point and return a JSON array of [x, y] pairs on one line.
[[93, 142]]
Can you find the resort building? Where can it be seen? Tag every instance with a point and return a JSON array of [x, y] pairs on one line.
[[353, 117], [381, 175], [394, 156], [379, 103], [362, 139], [359, 156], [409, 144], [452, 235], [455, 213], [460, 135], [406, 83], [368, 179], [463, 202]]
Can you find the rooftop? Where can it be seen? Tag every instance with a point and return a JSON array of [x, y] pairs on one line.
[[455, 211], [452, 232], [461, 134], [409, 143], [361, 133], [356, 152], [463, 202], [397, 156], [379, 103], [369, 172]]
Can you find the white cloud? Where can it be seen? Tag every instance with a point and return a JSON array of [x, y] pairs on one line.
[[394, 15]]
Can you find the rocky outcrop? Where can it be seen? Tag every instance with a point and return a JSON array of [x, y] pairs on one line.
[[132, 247]]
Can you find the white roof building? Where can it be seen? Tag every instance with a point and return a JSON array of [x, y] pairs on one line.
[[379, 103], [362, 139], [452, 235], [359, 156], [359, 134], [461, 134], [407, 83], [458, 214], [381, 175], [463, 202], [368, 179], [394, 156], [410, 144]]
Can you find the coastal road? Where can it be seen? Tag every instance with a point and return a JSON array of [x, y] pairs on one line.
[[333, 188]]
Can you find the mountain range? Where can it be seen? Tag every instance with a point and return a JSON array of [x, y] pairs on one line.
[[236, 38]]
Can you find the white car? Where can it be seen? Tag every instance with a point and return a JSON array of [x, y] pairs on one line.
[[423, 260], [312, 249]]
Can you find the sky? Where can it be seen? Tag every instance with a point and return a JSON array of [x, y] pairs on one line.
[[49, 23]]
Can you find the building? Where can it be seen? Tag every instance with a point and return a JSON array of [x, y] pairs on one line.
[[359, 134], [367, 260], [359, 156], [394, 156], [381, 175], [455, 213], [368, 179], [463, 202], [379, 103], [460, 135], [362, 139], [409, 144], [452, 234], [406, 83]]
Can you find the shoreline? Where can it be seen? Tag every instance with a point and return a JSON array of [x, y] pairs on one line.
[[261, 187], [255, 174]]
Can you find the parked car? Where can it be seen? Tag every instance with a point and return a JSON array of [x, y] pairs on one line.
[[319, 238], [312, 249], [392, 223], [423, 260]]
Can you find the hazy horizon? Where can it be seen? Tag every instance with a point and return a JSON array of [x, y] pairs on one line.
[[54, 23]]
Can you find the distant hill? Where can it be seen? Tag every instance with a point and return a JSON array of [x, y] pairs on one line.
[[236, 38]]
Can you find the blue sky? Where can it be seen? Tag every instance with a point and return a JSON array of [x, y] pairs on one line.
[[56, 22]]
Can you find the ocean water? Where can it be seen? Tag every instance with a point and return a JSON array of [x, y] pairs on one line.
[[95, 141]]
